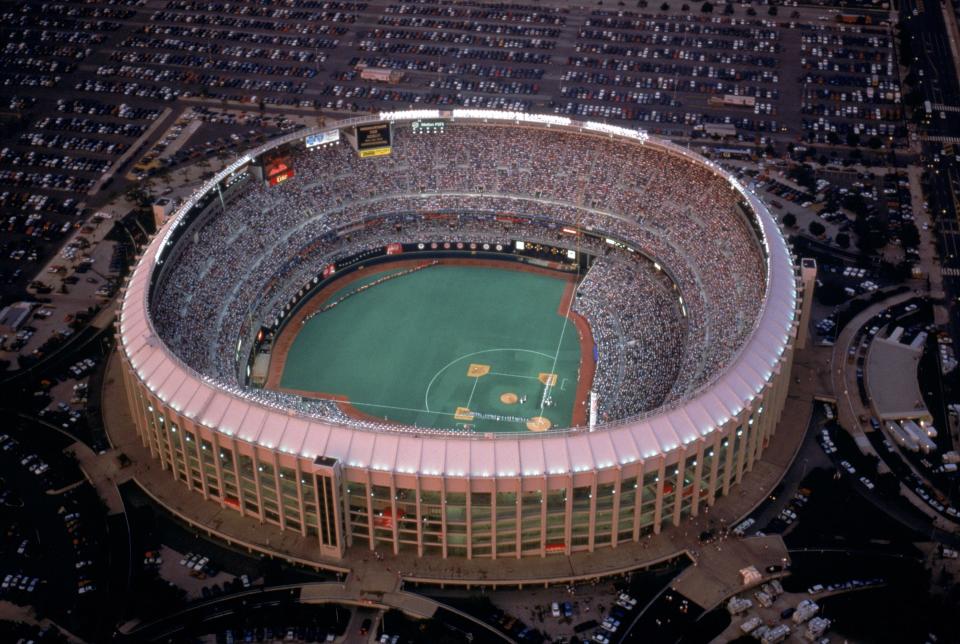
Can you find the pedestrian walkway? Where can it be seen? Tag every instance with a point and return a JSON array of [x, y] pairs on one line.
[[716, 574]]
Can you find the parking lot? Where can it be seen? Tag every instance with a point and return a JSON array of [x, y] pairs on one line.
[[93, 91], [54, 533]]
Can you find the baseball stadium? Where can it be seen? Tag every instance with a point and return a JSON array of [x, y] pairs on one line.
[[463, 333]]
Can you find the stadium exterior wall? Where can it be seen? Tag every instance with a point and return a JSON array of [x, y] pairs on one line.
[[456, 496]]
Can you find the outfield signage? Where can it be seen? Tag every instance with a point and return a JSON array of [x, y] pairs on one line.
[[323, 138], [373, 140]]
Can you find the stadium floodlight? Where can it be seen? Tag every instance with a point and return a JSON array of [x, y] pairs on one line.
[[501, 115], [409, 115], [616, 130]]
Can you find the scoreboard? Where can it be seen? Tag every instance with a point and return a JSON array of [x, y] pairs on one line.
[[373, 140], [278, 171], [323, 138]]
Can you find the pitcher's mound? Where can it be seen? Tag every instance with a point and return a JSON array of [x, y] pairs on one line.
[[538, 424], [509, 398]]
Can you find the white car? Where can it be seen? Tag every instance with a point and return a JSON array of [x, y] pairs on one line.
[[555, 609], [610, 624], [600, 638], [849, 468], [626, 601], [867, 482]]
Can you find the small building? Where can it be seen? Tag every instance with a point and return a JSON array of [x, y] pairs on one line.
[[162, 208], [737, 605], [751, 624], [750, 576], [816, 628], [776, 634], [805, 610], [14, 316]]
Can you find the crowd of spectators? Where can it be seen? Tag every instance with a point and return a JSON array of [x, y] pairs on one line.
[[242, 268], [638, 329]]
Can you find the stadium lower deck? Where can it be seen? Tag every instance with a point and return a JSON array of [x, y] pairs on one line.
[[484, 346]]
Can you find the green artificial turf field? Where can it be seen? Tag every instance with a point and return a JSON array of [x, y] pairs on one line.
[[448, 346]]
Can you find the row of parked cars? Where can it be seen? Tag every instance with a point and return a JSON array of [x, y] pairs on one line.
[[619, 613]]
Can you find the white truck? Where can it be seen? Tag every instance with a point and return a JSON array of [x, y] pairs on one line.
[[902, 438], [751, 624], [806, 609], [737, 605], [816, 628], [911, 428], [764, 599], [776, 589], [776, 635]]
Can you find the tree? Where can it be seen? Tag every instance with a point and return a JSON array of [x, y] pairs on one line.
[[789, 220], [875, 143], [664, 7], [706, 8], [772, 10], [843, 240], [830, 294], [728, 9], [816, 228], [909, 235], [803, 174], [853, 139]]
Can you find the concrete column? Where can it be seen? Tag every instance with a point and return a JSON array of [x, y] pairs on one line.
[[568, 517], [741, 452], [417, 489], [215, 445], [257, 484], [697, 478], [543, 517], [678, 485], [276, 487], [443, 515], [638, 504], [370, 527], [658, 503], [181, 439], [728, 461], [714, 468], [469, 520], [615, 515], [300, 504], [753, 438], [591, 534], [199, 451], [396, 516], [519, 499], [493, 522]]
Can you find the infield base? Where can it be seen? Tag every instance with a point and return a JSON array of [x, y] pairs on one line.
[[538, 424]]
